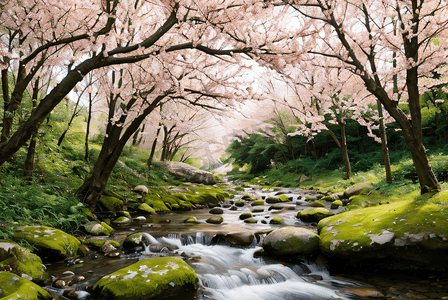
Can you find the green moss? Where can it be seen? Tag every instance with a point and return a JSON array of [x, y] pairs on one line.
[[96, 228], [133, 240], [314, 215], [105, 225], [124, 214], [156, 202], [215, 220], [121, 220], [239, 188], [239, 203], [246, 197], [284, 198], [94, 243], [15, 287], [111, 203], [257, 203], [153, 278], [250, 220], [276, 220], [146, 208], [246, 215], [327, 198], [50, 240], [336, 204]]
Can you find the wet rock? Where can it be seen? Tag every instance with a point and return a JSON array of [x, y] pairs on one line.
[[140, 218], [246, 197], [272, 200], [282, 207], [257, 203], [250, 221], [148, 279], [257, 209], [16, 287], [52, 242], [276, 220], [191, 220], [291, 241], [146, 208], [21, 261], [364, 292], [107, 247], [233, 208], [317, 203], [239, 203], [133, 240], [121, 221], [216, 211], [215, 220], [245, 216], [314, 215], [190, 173], [111, 203], [284, 198], [240, 238], [141, 189], [336, 204]]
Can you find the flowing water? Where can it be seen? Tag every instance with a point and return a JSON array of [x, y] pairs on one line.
[[225, 271]]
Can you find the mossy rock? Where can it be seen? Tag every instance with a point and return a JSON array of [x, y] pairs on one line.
[[190, 220], [411, 230], [211, 197], [21, 261], [156, 202], [317, 203], [276, 220], [153, 278], [327, 198], [239, 188], [245, 216], [250, 220], [284, 198], [146, 208], [124, 214], [336, 204], [314, 215], [257, 203], [133, 240], [111, 203], [51, 242], [89, 214], [215, 220], [13, 286], [291, 241], [121, 221], [98, 242], [357, 189], [246, 197], [97, 228], [272, 200], [239, 203]]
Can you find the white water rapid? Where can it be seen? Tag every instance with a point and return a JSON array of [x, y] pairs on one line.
[[234, 273]]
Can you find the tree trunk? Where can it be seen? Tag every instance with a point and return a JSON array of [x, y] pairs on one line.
[[153, 149], [29, 161], [89, 119], [344, 152], [75, 113], [384, 147]]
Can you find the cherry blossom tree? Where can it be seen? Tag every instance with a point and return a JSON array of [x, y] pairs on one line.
[[361, 37]]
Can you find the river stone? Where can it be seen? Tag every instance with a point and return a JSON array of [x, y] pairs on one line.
[[21, 261], [276, 220], [356, 189], [336, 204], [291, 241], [97, 228], [190, 220], [15, 287], [250, 221], [152, 278], [239, 203], [240, 238], [257, 203], [121, 221], [50, 242], [111, 203], [284, 198], [314, 215], [146, 208], [272, 200], [189, 173], [141, 189], [133, 240], [245, 216], [246, 197], [257, 209], [216, 211], [317, 203], [215, 220]]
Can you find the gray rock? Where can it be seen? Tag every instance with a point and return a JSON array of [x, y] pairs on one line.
[[189, 173], [291, 241]]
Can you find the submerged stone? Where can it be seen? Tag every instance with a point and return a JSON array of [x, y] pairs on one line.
[[153, 278], [291, 241], [245, 216]]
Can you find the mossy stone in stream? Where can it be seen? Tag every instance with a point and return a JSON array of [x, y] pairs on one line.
[[156, 202], [246, 197], [317, 203], [121, 221], [97, 228], [124, 214], [276, 220], [21, 261], [257, 203], [52, 242], [291, 241], [133, 240], [336, 204], [245, 216], [153, 278], [146, 208], [111, 203], [272, 200], [16, 287], [215, 220], [314, 215], [327, 198], [250, 220], [284, 198], [239, 203]]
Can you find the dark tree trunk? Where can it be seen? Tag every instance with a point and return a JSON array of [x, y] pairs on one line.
[[89, 119], [30, 157], [75, 113], [384, 147], [6, 98], [153, 149], [344, 152]]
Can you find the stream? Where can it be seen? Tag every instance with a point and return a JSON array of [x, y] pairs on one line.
[[229, 271]]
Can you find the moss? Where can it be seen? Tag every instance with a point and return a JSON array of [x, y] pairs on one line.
[[148, 279], [94, 243], [314, 215], [15, 287], [284, 198], [327, 198], [89, 214], [276, 220], [271, 200], [257, 203], [419, 221], [111, 203], [105, 225], [133, 240], [336, 204], [146, 208], [47, 239], [239, 203], [239, 188], [291, 241], [21, 261], [215, 220], [156, 202], [96, 228], [317, 203], [246, 197], [121, 220], [124, 214], [250, 220]]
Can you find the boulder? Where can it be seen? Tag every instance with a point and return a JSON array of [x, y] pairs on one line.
[[111, 203], [153, 278], [240, 238], [216, 211], [314, 215], [245, 216], [401, 235], [21, 261], [97, 228], [276, 220], [336, 204], [141, 189], [215, 220], [51, 242], [133, 240], [146, 208], [15, 287], [291, 241], [357, 188], [257, 203], [189, 173], [272, 200]]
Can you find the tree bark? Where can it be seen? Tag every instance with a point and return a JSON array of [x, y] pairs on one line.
[[344, 152], [153, 149], [89, 119], [384, 147], [30, 157]]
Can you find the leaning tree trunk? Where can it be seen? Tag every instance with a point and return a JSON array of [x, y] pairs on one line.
[[29, 161], [384, 147], [344, 152], [153, 149], [89, 119]]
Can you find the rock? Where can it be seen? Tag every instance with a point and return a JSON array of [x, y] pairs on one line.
[[291, 241], [245, 216], [111, 203], [189, 173], [404, 235], [257, 210], [314, 215], [317, 203], [15, 287], [133, 240], [51, 242], [357, 188], [257, 203], [146, 208], [250, 220], [156, 202], [240, 238], [141, 189], [153, 278], [276, 220], [272, 200], [327, 198], [216, 211], [303, 178], [282, 207], [284, 198], [215, 220], [191, 220], [21, 261], [121, 221], [239, 203], [233, 208], [98, 242], [336, 204], [97, 228], [246, 197]]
